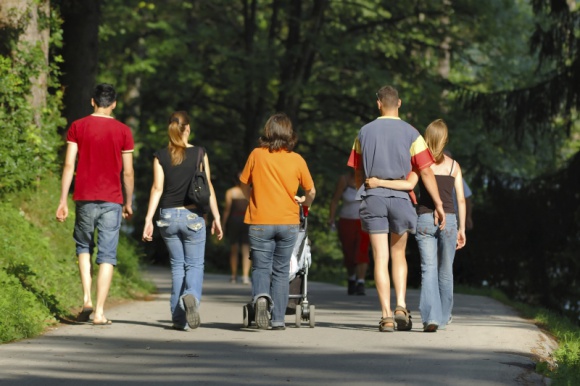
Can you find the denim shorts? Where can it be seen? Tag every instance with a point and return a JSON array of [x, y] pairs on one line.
[[387, 214], [104, 217]]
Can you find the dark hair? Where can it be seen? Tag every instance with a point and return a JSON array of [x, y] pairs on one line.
[[177, 124], [388, 96], [104, 95], [278, 133]]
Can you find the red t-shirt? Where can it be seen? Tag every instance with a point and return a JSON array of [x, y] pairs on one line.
[[100, 142]]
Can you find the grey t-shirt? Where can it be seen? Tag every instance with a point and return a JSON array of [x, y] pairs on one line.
[[388, 148]]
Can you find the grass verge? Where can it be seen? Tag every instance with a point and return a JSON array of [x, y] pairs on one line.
[[566, 370], [38, 266]]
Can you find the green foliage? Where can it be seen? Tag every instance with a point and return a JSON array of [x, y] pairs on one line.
[[23, 316], [29, 141], [38, 266]]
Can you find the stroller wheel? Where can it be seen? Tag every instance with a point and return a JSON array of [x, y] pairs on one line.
[[298, 315], [311, 320]]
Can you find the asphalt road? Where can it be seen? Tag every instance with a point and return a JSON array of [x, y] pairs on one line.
[[487, 344]]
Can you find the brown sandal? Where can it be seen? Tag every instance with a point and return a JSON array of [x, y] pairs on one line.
[[387, 324], [403, 320]]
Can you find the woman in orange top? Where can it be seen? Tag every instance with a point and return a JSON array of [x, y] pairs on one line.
[[270, 182]]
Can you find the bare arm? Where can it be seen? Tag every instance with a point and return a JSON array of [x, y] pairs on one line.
[[67, 176], [340, 186], [408, 184], [128, 184], [359, 177], [154, 197], [310, 194], [247, 190], [216, 226], [430, 184], [227, 208], [468, 212], [461, 239]]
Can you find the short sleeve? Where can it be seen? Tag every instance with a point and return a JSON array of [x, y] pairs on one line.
[[129, 144], [355, 159], [421, 156], [246, 176], [306, 180], [71, 135]]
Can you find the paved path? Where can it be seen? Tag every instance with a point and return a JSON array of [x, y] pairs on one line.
[[487, 344]]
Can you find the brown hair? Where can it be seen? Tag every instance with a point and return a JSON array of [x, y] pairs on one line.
[[278, 133], [388, 96], [436, 136], [177, 124]]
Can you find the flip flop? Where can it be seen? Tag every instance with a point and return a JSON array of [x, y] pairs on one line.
[[83, 316], [106, 322]]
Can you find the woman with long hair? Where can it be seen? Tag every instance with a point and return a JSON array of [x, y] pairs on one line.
[[270, 182], [437, 247], [181, 223]]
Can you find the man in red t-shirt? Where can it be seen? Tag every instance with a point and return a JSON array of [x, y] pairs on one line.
[[105, 149]]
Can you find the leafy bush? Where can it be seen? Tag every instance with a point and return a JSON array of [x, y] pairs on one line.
[[29, 142], [22, 315]]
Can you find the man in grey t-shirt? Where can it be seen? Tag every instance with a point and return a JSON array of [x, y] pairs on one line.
[[387, 148]]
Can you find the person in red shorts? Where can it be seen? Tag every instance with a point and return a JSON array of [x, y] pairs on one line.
[[104, 147], [354, 242]]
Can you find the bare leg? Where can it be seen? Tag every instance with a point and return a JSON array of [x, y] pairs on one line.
[[361, 271], [234, 260], [399, 269], [103, 284], [246, 262], [86, 272], [380, 246]]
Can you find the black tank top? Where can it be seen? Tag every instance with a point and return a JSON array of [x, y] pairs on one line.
[[177, 177], [445, 185]]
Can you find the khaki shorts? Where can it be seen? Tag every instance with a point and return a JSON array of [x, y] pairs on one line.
[[387, 214]]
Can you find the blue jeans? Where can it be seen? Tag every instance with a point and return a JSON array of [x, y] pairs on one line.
[[270, 251], [104, 217], [437, 249], [183, 231]]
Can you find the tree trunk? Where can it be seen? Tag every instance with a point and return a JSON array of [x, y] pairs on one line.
[[80, 54], [27, 14]]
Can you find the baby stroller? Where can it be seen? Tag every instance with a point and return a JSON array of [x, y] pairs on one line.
[[300, 261]]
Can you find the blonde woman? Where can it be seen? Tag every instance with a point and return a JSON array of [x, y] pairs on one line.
[[436, 246], [181, 223]]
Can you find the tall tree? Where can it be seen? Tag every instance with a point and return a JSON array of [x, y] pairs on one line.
[[29, 96], [31, 16], [80, 55]]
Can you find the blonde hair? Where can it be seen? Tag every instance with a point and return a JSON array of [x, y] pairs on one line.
[[177, 124], [436, 136]]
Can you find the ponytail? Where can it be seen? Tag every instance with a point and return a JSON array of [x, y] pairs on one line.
[[177, 125], [436, 136]]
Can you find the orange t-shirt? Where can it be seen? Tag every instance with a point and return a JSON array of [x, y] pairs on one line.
[[275, 178]]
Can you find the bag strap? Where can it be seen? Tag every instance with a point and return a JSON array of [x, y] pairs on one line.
[[200, 154]]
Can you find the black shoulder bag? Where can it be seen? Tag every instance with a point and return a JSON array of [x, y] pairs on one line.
[[198, 191]]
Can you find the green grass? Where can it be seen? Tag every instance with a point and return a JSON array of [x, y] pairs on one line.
[[38, 266], [566, 332]]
